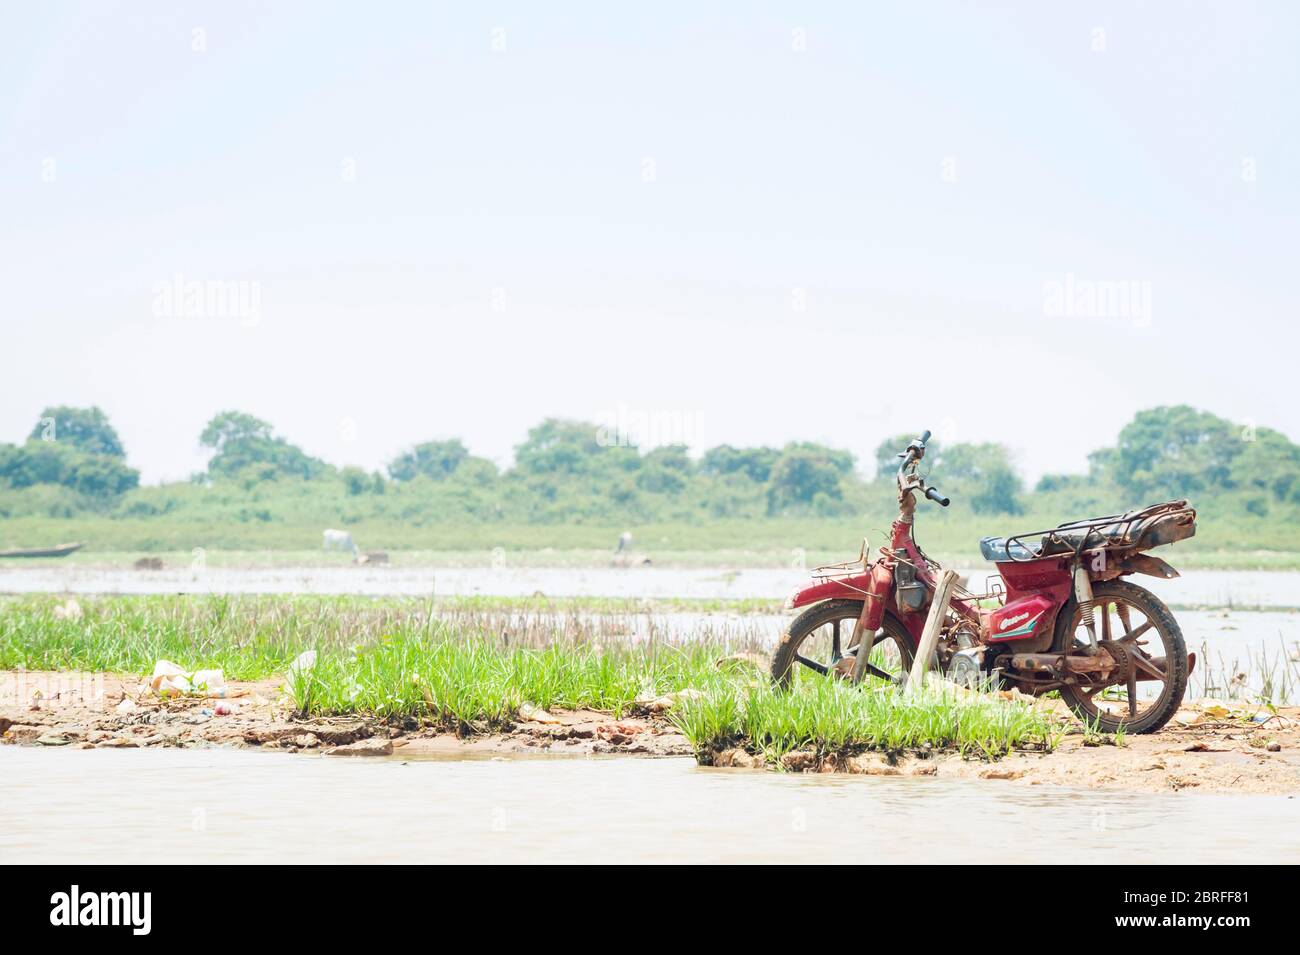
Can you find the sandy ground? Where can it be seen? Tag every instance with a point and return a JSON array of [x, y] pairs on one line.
[[1213, 753], [104, 711], [1211, 757]]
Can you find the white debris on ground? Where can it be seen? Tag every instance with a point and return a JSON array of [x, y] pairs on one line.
[[661, 703], [302, 664], [532, 713], [1196, 712], [168, 679], [69, 610]]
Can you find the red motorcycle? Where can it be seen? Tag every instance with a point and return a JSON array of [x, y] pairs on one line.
[[1060, 615]]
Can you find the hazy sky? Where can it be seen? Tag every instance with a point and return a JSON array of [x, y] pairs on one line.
[[752, 223]]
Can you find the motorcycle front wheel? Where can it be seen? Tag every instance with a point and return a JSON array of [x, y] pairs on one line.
[[1149, 690], [815, 646]]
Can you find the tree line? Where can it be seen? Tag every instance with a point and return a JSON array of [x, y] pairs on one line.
[[73, 461]]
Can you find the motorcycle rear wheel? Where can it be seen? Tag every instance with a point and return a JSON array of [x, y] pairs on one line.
[[816, 643], [1136, 706]]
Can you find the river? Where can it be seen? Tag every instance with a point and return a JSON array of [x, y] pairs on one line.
[[225, 806]]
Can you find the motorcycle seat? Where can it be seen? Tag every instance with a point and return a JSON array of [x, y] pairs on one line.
[[995, 549], [1140, 529], [1062, 541]]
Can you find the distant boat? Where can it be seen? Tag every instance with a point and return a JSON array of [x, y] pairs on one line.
[[58, 550]]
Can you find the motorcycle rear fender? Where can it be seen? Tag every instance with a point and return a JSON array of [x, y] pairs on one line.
[[877, 582], [1146, 564], [845, 588]]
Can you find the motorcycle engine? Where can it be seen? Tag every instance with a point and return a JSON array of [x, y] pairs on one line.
[[966, 668], [910, 594]]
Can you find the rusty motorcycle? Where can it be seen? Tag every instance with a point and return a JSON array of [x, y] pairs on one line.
[[1060, 614]]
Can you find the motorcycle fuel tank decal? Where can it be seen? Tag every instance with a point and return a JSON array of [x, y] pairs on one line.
[[1018, 619]]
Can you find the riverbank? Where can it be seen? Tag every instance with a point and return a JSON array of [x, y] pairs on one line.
[[1228, 755], [115, 711], [402, 676], [1207, 749]]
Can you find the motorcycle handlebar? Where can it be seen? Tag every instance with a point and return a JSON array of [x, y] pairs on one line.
[[913, 452]]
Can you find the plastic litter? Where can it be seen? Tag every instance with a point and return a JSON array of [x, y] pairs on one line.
[[532, 713], [170, 680], [1195, 712], [302, 664]]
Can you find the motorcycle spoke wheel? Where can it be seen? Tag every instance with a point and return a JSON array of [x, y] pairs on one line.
[[816, 647], [1124, 698], [1146, 692]]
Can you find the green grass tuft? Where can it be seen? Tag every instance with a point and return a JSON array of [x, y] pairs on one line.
[[829, 716]]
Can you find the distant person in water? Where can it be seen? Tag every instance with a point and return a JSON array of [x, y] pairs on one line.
[[623, 556]]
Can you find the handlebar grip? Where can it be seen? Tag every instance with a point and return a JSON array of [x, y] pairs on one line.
[[925, 437], [933, 494]]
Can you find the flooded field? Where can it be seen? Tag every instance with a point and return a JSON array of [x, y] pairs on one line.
[[1239, 652], [1206, 588], [212, 806]]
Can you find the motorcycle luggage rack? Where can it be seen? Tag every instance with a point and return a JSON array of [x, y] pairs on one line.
[[848, 568], [1175, 518], [993, 591], [1089, 527]]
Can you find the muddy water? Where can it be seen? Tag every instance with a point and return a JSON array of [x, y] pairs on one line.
[[228, 806], [1195, 587]]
